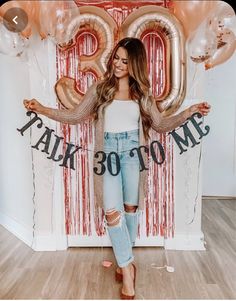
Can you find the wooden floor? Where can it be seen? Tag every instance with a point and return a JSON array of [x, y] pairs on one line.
[[78, 274]]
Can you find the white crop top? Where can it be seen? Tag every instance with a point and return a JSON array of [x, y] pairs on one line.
[[121, 116]]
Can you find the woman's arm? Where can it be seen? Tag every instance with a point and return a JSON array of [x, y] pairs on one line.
[[72, 116], [163, 124]]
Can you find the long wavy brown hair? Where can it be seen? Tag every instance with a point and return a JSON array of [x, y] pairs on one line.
[[138, 79]]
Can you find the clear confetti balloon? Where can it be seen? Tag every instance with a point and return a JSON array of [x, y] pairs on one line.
[[12, 44], [202, 46], [55, 20]]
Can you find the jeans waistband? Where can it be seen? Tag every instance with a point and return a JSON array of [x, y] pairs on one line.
[[120, 134]]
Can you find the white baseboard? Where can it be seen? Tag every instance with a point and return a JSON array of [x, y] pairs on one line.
[[20, 231], [179, 242], [39, 242], [104, 241], [186, 242], [49, 243], [52, 242]]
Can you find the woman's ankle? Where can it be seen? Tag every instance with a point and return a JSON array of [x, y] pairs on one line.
[[127, 269]]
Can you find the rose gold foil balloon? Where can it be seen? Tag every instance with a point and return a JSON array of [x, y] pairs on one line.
[[36, 17], [32, 10], [67, 93], [28, 7], [226, 43], [191, 13]]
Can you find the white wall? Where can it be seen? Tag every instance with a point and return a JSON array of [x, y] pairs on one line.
[[219, 160], [16, 188], [22, 206]]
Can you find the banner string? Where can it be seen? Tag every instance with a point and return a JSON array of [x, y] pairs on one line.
[[120, 152]]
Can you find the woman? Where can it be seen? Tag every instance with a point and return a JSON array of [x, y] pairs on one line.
[[123, 113]]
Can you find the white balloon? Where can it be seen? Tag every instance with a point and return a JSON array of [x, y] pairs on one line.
[[170, 269]]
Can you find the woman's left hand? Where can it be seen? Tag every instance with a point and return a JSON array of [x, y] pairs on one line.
[[203, 108]]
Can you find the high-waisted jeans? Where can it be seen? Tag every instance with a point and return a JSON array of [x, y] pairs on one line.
[[121, 186]]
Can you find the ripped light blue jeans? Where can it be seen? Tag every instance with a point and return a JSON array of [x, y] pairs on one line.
[[120, 189]]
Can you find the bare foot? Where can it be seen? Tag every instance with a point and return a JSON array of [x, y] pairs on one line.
[[128, 280]]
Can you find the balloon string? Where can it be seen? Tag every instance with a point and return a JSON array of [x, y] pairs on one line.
[[193, 80], [195, 201], [168, 268], [34, 188], [195, 72], [37, 65], [101, 244], [234, 164]]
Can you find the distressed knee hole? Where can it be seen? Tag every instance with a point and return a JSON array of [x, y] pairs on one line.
[[112, 217], [130, 208]]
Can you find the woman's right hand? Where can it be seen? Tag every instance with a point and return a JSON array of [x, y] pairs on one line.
[[33, 105]]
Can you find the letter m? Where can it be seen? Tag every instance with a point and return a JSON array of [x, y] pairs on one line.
[[184, 141]]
